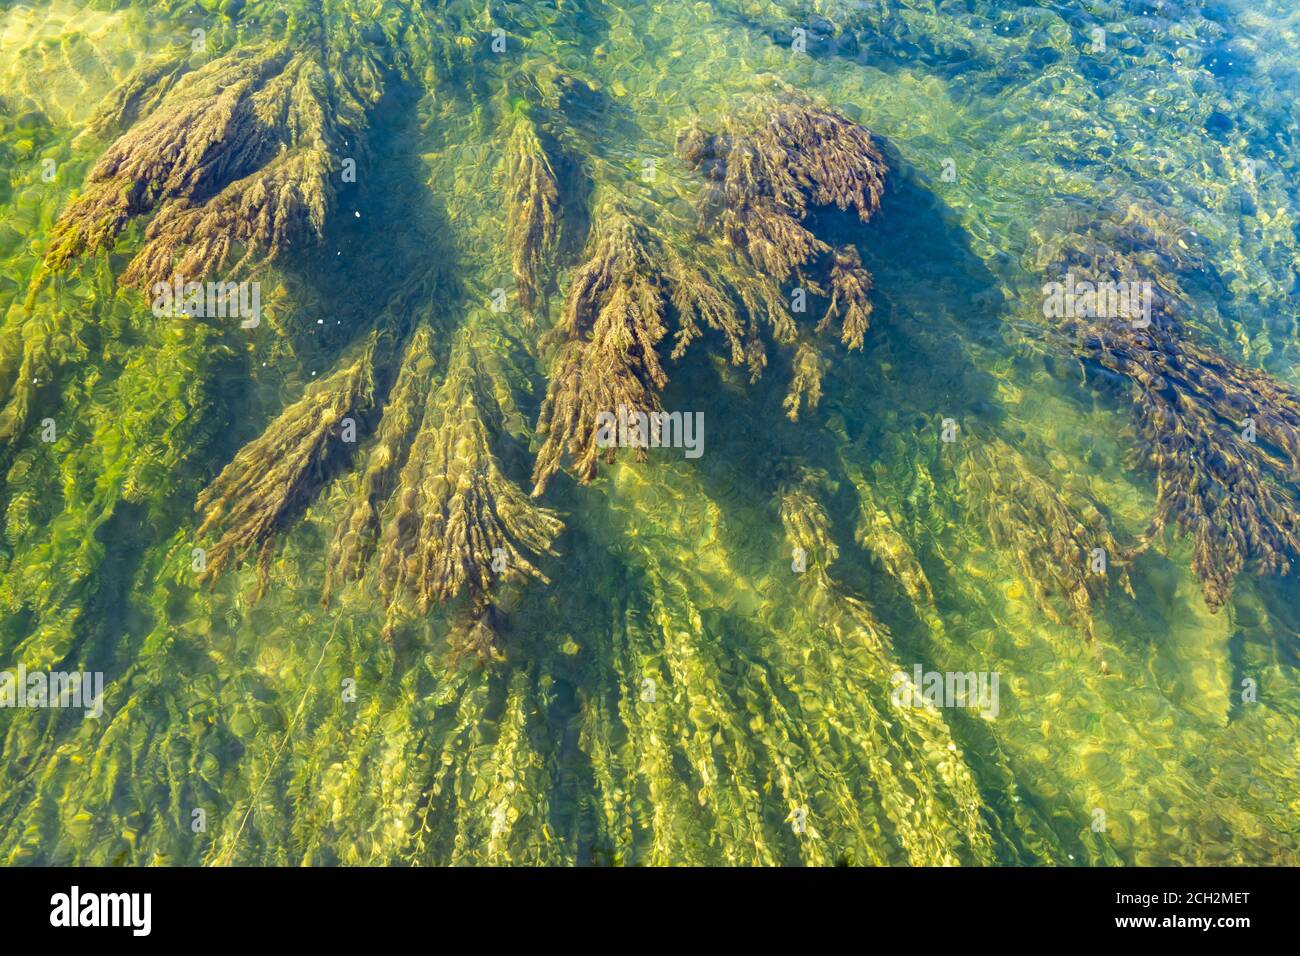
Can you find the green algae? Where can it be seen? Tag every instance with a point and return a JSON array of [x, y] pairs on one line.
[[667, 688]]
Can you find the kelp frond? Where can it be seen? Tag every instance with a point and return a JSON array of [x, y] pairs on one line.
[[248, 503], [234, 161], [850, 297], [770, 164], [457, 523], [355, 536], [806, 384], [1060, 543], [1223, 439], [613, 319], [533, 215]]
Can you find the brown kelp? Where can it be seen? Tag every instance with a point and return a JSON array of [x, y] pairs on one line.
[[233, 163], [457, 523], [774, 164], [807, 526], [248, 503], [1063, 544], [532, 214], [1223, 439], [356, 533], [775, 159], [636, 282], [615, 316]]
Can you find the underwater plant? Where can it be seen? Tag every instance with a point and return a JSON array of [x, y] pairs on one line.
[[633, 281], [776, 158], [1063, 547], [253, 496], [458, 524], [232, 164], [265, 539], [614, 320], [355, 536], [878, 533], [1222, 439], [928, 832], [533, 223], [850, 301]]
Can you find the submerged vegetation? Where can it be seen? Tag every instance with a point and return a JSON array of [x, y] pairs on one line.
[[633, 279], [254, 495], [534, 211], [458, 523], [1222, 439], [1065, 551], [367, 582], [232, 162]]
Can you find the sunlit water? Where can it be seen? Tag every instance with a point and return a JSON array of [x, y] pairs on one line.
[[679, 693]]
